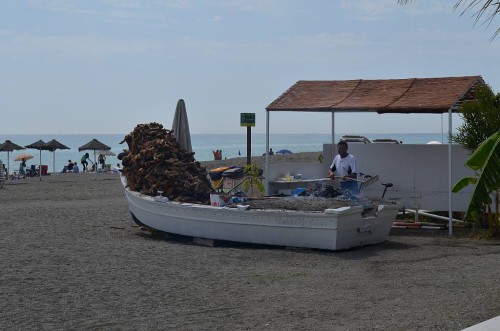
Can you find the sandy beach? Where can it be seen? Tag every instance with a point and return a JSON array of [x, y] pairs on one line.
[[72, 259]]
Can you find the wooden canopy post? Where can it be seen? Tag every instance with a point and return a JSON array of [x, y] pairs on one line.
[[248, 120], [249, 145]]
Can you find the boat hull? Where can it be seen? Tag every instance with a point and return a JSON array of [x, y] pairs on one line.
[[333, 229]]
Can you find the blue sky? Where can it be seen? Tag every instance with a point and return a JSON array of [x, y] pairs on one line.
[[88, 66]]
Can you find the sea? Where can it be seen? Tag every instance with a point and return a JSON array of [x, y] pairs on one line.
[[232, 145]]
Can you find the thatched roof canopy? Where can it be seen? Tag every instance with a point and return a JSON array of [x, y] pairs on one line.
[[54, 144], [94, 144], [9, 146], [413, 95]]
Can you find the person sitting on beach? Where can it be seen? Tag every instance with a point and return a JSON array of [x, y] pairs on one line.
[[344, 166], [69, 167], [84, 162], [116, 170], [75, 168], [271, 152]]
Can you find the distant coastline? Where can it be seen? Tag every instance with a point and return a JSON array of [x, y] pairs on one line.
[[232, 145]]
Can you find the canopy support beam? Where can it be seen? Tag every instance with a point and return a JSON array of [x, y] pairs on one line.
[[266, 179], [333, 134], [450, 184]]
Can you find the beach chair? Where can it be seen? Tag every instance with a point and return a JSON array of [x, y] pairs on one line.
[[218, 185], [32, 171], [2, 175], [217, 179]]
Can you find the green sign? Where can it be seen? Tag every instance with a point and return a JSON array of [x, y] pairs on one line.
[[247, 119]]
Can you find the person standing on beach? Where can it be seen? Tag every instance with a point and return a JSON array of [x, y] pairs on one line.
[[344, 166], [84, 162], [21, 167], [102, 160]]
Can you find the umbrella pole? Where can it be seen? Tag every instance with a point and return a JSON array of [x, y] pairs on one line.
[[8, 164], [53, 162], [40, 166]]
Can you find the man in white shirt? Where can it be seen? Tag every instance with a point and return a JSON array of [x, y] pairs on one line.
[[344, 166]]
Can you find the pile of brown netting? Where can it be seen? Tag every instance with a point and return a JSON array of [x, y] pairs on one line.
[[155, 162]]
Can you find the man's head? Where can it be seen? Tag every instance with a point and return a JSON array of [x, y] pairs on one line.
[[342, 148]]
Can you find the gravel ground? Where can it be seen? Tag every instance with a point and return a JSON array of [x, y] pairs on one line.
[[72, 259]]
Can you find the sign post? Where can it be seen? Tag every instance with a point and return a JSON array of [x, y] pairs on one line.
[[248, 120]]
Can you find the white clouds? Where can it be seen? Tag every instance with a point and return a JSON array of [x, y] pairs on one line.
[[325, 40], [248, 52], [216, 19], [129, 4], [257, 6], [366, 10], [83, 47], [116, 11], [371, 8], [177, 4], [53, 5]]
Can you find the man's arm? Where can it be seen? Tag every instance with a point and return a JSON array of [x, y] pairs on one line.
[[331, 171]]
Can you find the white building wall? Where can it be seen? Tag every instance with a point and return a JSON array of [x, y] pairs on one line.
[[419, 173]]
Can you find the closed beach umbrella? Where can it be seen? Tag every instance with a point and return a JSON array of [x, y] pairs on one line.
[[52, 146], [38, 145], [94, 145], [8, 146], [180, 127]]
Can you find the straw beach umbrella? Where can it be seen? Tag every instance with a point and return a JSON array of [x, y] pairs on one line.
[[94, 145], [180, 126], [52, 146], [38, 145], [8, 146], [24, 156]]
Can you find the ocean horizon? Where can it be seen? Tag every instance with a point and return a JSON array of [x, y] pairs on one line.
[[232, 145]]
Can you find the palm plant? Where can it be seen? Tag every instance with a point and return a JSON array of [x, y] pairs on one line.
[[253, 179], [481, 118], [486, 160]]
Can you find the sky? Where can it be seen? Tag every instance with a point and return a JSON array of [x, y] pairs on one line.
[[90, 66]]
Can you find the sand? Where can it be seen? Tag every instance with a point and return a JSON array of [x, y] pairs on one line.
[[72, 259]]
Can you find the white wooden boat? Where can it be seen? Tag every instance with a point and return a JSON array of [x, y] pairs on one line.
[[333, 229]]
